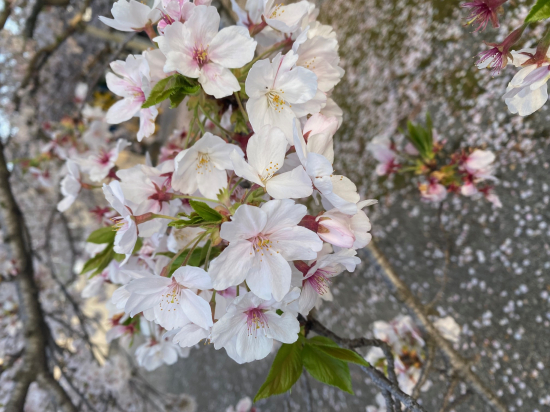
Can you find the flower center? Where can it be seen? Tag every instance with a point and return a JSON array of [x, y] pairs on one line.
[[171, 297], [203, 163], [275, 100], [270, 171], [103, 157], [277, 11], [200, 55], [320, 282], [120, 224], [256, 321]]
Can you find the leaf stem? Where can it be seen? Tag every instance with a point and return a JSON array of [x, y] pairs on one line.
[[218, 125], [155, 216], [204, 199], [241, 108]]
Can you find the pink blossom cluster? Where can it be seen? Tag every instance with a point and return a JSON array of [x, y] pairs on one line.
[[212, 239], [468, 172]]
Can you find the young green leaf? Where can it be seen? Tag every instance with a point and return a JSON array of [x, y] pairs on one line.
[[102, 235], [540, 11], [285, 371], [175, 87], [326, 368], [99, 261], [205, 211]]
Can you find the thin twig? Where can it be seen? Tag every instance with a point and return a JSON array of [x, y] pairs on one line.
[[34, 363], [449, 393], [430, 355], [459, 364]]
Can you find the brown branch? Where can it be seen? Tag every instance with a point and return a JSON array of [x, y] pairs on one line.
[[458, 363], [449, 393], [30, 24], [34, 363], [41, 56]]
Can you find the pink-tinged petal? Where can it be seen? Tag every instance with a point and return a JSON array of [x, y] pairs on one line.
[[146, 122], [336, 233], [281, 214], [295, 184], [118, 85], [125, 240], [226, 328], [247, 222], [297, 243], [244, 170], [189, 335], [218, 81], [196, 309], [132, 13], [270, 274], [251, 348], [283, 328], [232, 265], [123, 110], [232, 47], [192, 277], [148, 285], [299, 84]]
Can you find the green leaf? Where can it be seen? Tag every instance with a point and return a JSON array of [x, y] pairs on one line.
[[99, 261], [332, 349], [205, 211], [102, 235], [194, 220], [326, 368], [540, 11], [175, 87], [285, 371]]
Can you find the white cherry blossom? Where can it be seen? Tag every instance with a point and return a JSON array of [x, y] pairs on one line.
[[285, 18], [98, 165], [262, 240], [203, 166], [174, 300], [70, 186], [280, 92], [251, 325], [197, 50], [266, 153]]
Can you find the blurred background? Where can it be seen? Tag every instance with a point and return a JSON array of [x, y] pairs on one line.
[[403, 58]]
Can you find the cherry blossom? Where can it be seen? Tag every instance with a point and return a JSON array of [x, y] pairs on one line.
[[197, 50], [133, 80], [285, 18], [250, 326], [98, 165], [280, 92], [70, 186], [262, 240], [174, 300], [317, 277], [203, 166], [527, 92], [337, 191], [433, 191], [381, 149], [178, 10], [126, 227], [483, 11], [266, 152], [132, 15]]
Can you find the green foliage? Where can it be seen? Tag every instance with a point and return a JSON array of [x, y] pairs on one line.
[[540, 11], [102, 235], [421, 137], [202, 215], [285, 371], [198, 257], [326, 369], [174, 87], [206, 212], [99, 261], [322, 358]]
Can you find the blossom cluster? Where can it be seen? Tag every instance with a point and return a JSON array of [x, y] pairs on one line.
[[469, 173], [408, 348], [527, 92], [213, 239]]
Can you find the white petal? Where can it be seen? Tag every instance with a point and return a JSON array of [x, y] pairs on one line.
[[270, 275], [244, 170], [231, 267], [218, 81], [248, 221], [295, 184], [232, 47], [192, 277], [226, 328], [282, 213], [189, 335], [196, 309], [283, 328], [297, 243]]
